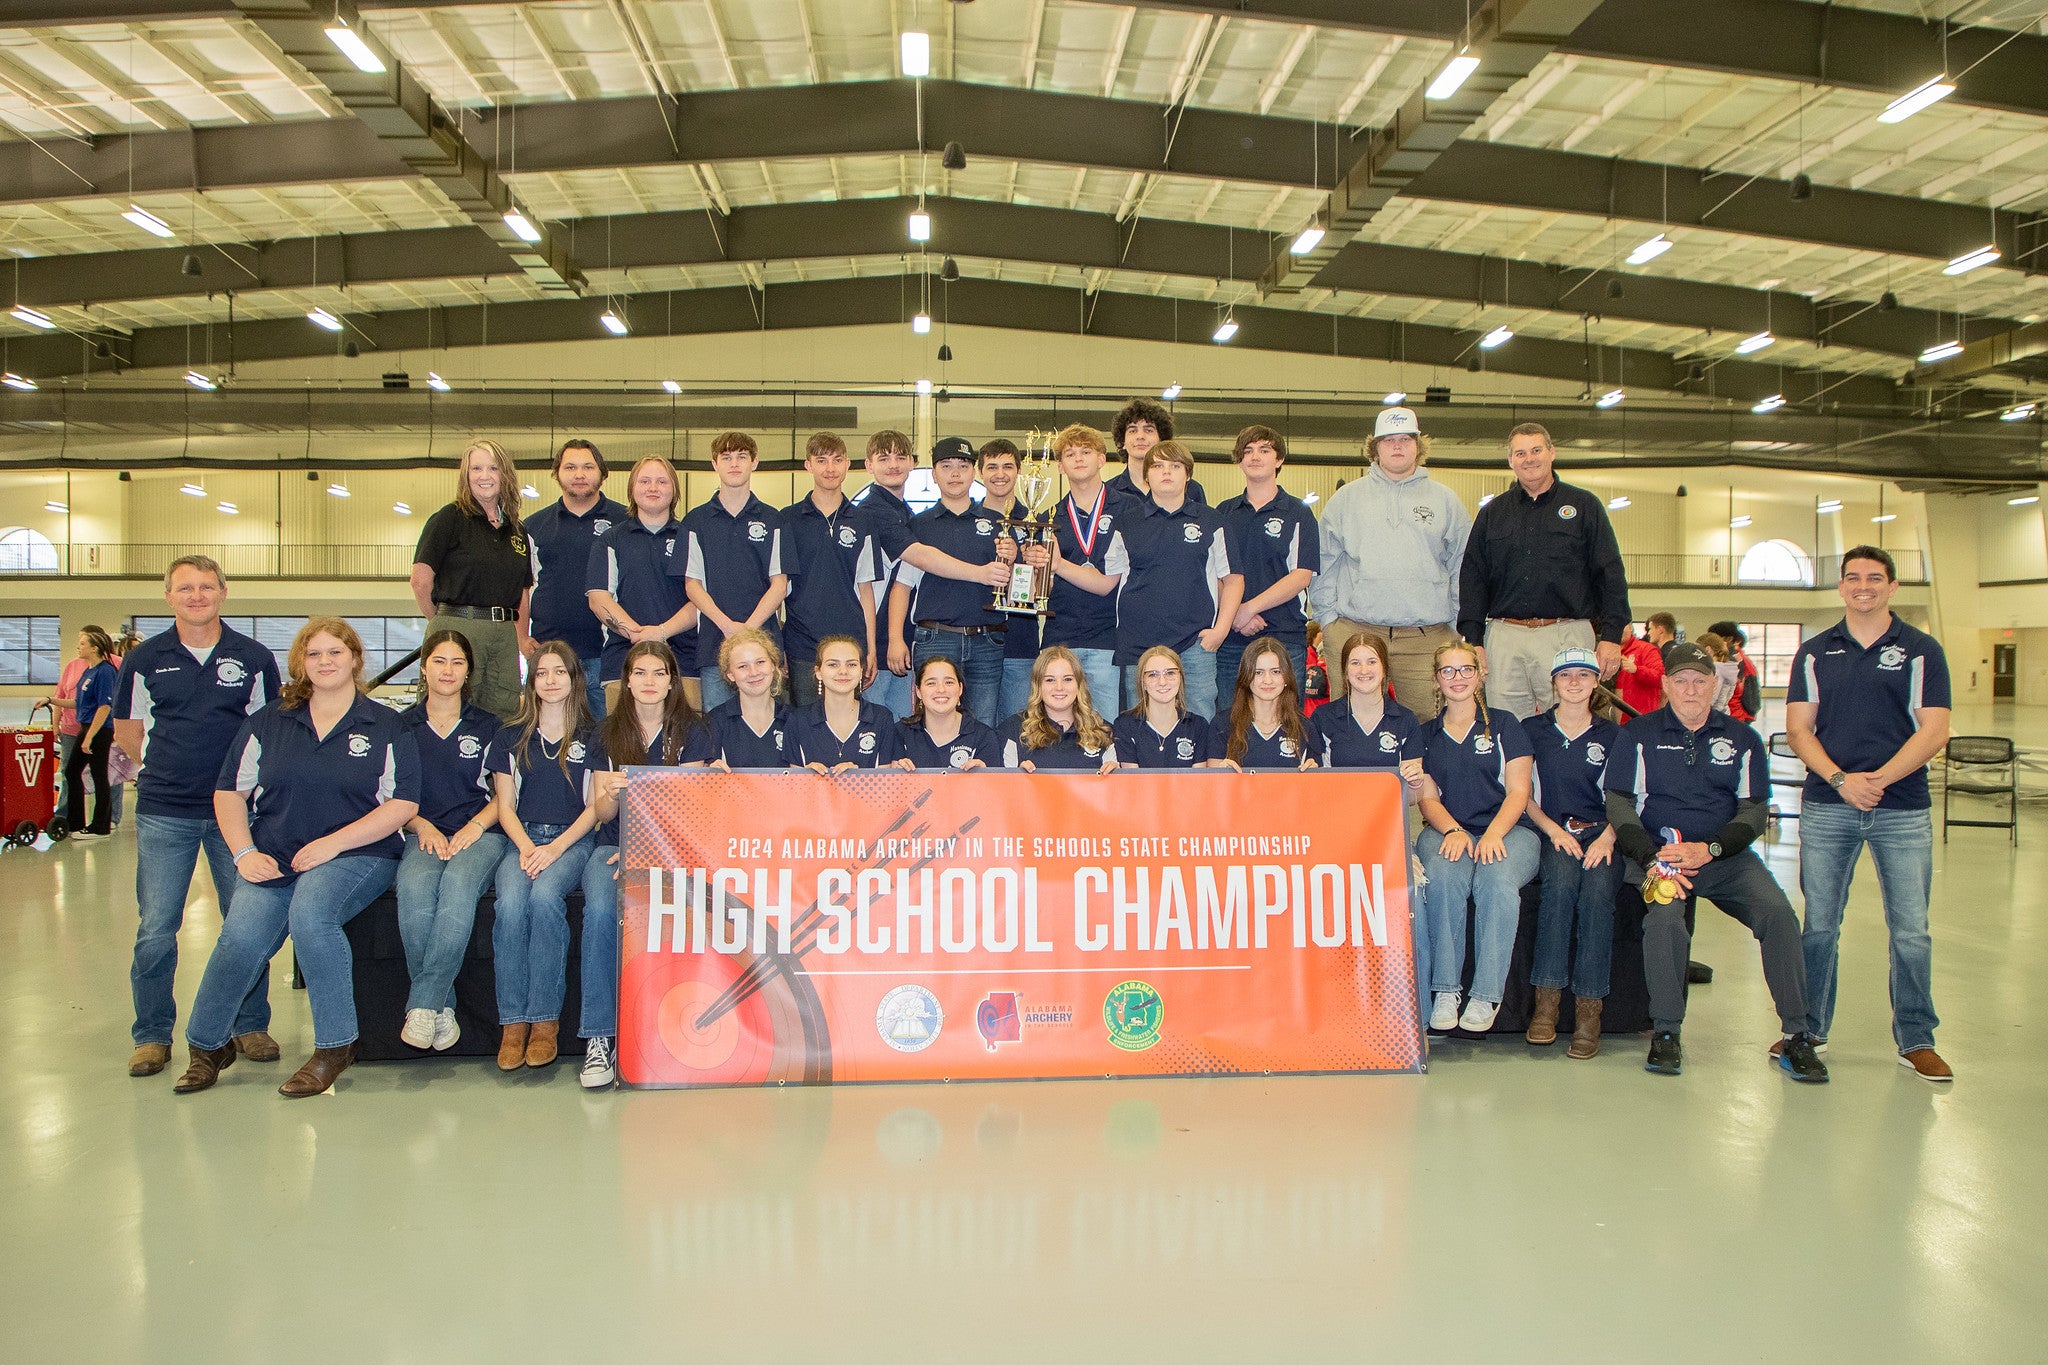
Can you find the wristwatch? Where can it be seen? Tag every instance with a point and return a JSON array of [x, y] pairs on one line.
[[1841, 776], [1714, 849]]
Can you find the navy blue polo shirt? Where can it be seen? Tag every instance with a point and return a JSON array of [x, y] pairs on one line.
[[696, 748], [827, 558], [733, 557], [1065, 752], [558, 544], [1689, 781], [1268, 543], [547, 795], [637, 567], [96, 689], [872, 743], [1569, 772], [455, 781], [1124, 486], [975, 740], [730, 737], [1169, 564], [1080, 619], [1020, 640], [191, 709], [1276, 751], [1341, 742], [1189, 742], [1867, 698], [889, 522], [1471, 776], [969, 536], [302, 787]]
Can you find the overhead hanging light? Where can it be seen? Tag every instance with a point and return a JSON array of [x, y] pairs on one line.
[[527, 490], [1311, 237], [1916, 99], [227, 509], [921, 323], [1829, 505], [436, 382], [1485, 498], [15, 381], [1617, 502], [1771, 404], [1394, 397], [2027, 501], [1170, 392], [945, 352], [1941, 350], [522, 226], [917, 53], [920, 226], [1499, 336], [924, 386], [949, 270], [613, 323], [1452, 76], [1310, 499], [1737, 523], [1225, 330], [147, 221], [34, 317], [1972, 260], [1611, 398], [404, 509], [194, 490], [670, 386], [2018, 414], [1884, 517], [55, 506], [1750, 345], [320, 317], [337, 490], [1650, 250], [353, 47], [954, 157], [200, 381]]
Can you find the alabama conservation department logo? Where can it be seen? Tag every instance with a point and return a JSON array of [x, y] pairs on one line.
[[1184, 749], [1891, 658], [909, 1018], [230, 672], [1722, 750], [359, 745], [1133, 1012], [469, 746], [1567, 512], [1596, 754], [867, 743], [1482, 745], [1191, 534], [1388, 743], [576, 751], [847, 537], [757, 530], [1274, 526]]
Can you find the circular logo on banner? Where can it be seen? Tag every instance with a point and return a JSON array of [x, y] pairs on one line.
[[1567, 512], [230, 671], [359, 745], [469, 746], [1133, 1012], [1388, 743], [909, 1018], [847, 536], [1596, 754], [576, 751], [867, 744], [757, 530], [1191, 534], [1184, 749], [600, 526]]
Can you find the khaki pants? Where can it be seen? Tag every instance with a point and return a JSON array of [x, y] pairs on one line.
[[495, 644], [1518, 662], [1411, 651]]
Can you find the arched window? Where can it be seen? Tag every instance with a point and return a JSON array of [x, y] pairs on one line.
[[26, 551], [1775, 561]]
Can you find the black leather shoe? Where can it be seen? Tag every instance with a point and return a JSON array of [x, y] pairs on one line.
[[1698, 974], [1800, 1062], [1664, 1052]]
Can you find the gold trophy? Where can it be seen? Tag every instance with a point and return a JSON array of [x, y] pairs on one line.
[[1029, 591]]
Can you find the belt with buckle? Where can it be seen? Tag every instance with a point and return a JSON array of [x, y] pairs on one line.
[[477, 613], [961, 630], [1534, 622]]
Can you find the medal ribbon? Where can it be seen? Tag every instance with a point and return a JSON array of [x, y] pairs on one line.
[[1087, 542]]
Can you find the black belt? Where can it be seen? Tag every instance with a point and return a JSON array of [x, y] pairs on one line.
[[961, 630], [477, 613]]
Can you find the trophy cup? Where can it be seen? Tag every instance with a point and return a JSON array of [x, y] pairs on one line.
[[1029, 591]]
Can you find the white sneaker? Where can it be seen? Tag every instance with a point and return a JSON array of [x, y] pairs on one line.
[[600, 1066], [1443, 1016], [1478, 1017], [418, 1030], [446, 1031]]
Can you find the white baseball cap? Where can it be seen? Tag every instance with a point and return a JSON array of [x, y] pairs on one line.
[[1396, 422]]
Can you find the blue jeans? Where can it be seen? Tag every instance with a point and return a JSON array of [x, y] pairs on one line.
[[312, 907], [593, 690], [166, 852], [1105, 682], [1574, 894], [717, 691], [1902, 845], [1495, 893], [1232, 653], [981, 663], [1016, 689], [1198, 673], [437, 909], [888, 691], [530, 940], [600, 957]]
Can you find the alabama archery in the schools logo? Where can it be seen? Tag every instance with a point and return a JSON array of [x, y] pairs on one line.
[[909, 1018], [998, 1020], [1133, 1012]]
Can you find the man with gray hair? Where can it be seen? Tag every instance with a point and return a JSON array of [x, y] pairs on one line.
[[1391, 545]]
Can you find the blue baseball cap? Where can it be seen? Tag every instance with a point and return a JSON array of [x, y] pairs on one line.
[[1574, 656]]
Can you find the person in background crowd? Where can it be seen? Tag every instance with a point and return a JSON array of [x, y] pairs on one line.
[[997, 464], [833, 561], [452, 845], [1570, 743], [1160, 731], [311, 798], [472, 572], [1866, 710], [753, 729], [1479, 846], [1315, 692], [939, 734], [932, 614], [1083, 620], [841, 731], [541, 767], [64, 707], [1685, 790], [733, 567], [1541, 571], [559, 539], [93, 704], [1727, 676], [1059, 728], [181, 699], [1263, 728], [1748, 700], [889, 462], [1140, 425], [632, 584], [1277, 551], [1641, 679], [1392, 543]]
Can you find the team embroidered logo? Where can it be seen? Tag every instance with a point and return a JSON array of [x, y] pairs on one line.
[[230, 672], [998, 1020], [1274, 526], [1191, 534], [30, 761], [358, 745], [576, 751], [1423, 515], [757, 531], [1891, 658], [984, 528], [668, 549], [1287, 749], [960, 756], [1092, 753], [1596, 753], [518, 544], [1388, 743], [1184, 749], [867, 743], [847, 537], [1722, 750], [778, 741], [1482, 745], [600, 526], [909, 1018], [469, 746], [1567, 512], [1133, 1013], [1104, 520]]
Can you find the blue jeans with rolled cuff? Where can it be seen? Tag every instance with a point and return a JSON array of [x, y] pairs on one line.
[[530, 938], [436, 911]]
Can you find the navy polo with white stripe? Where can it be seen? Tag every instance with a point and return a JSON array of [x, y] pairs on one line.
[[1688, 780], [975, 740], [1276, 751], [1268, 544], [872, 742], [1189, 742], [733, 556], [1867, 698], [1471, 774], [1341, 742], [455, 781], [1080, 619], [636, 566], [191, 708], [1570, 772], [1169, 564], [827, 558], [889, 522], [728, 736], [969, 536], [303, 787], [558, 545], [545, 795]]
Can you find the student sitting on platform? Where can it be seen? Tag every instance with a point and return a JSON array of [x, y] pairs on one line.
[[1160, 731], [840, 731], [939, 734], [1366, 728], [311, 799], [1263, 728], [1058, 729], [752, 730], [453, 846], [541, 764]]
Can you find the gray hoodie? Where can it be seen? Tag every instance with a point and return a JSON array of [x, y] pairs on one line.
[[1391, 551]]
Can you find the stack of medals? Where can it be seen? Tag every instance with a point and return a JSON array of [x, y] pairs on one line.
[[1660, 883]]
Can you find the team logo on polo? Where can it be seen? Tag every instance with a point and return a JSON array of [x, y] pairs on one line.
[[960, 757], [1274, 526], [1287, 749], [469, 746], [1567, 512], [1191, 534], [1596, 754], [600, 526], [984, 528], [757, 530], [518, 543], [1184, 749], [1104, 520], [576, 751], [1891, 658], [1722, 750], [359, 745], [909, 1018], [1133, 1012], [230, 672], [668, 549], [1388, 743], [998, 1020], [847, 537], [867, 743], [1092, 753], [1483, 745], [778, 741]]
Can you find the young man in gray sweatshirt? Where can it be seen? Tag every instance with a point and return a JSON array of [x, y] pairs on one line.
[[1392, 542]]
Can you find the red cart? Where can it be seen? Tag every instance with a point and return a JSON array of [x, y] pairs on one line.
[[28, 784]]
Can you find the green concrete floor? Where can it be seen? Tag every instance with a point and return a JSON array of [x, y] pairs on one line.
[[1507, 1206]]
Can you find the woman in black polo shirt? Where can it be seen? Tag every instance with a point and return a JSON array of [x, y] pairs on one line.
[[310, 801], [939, 734], [1264, 729], [1059, 728], [471, 573], [752, 730], [1160, 731]]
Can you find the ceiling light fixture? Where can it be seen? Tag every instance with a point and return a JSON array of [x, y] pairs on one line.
[[613, 323], [320, 317], [527, 490], [1394, 397], [1650, 250], [200, 381], [2018, 414], [522, 226], [1884, 517], [1750, 345], [1617, 502], [1771, 404], [147, 221], [954, 157], [670, 386], [1485, 498], [55, 506], [337, 490], [353, 47], [1916, 99], [924, 386], [1830, 505], [2026, 501], [34, 317], [920, 226], [917, 53], [1499, 336], [1170, 392], [16, 381], [921, 323], [436, 382], [1225, 330], [1737, 523], [1455, 71], [227, 508], [949, 270], [1611, 398], [1311, 237], [1972, 260], [404, 509], [194, 490], [1940, 350]]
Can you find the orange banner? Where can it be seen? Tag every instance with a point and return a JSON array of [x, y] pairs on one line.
[[897, 926]]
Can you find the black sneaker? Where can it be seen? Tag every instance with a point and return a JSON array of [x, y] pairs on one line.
[[1800, 1062], [1664, 1053]]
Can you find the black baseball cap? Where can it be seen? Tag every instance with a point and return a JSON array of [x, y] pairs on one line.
[[1681, 655], [952, 448]]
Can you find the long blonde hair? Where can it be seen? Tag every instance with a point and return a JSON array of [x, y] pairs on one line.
[[1478, 693], [298, 687], [1038, 732], [508, 482]]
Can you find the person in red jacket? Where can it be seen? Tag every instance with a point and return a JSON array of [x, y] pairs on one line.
[[1748, 698], [1642, 664]]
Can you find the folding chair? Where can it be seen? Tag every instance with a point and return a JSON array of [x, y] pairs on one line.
[[1781, 748], [1982, 765]]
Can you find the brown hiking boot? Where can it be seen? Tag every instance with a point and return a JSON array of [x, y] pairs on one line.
[[1543, 1024], [1585, 1029], [512, 1047], [541, 1046]]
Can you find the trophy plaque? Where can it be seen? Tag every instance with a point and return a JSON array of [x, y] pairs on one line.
[[1029, 591]]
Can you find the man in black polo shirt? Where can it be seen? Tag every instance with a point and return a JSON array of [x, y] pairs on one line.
[[1541, 573], [1141, 425], [832, 562], [1278, 549], [931, 614], [1867, 708], [471, 573], [1686, 790], [559, 539]]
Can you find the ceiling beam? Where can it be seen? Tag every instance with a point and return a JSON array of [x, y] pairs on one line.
[[2003, 350]]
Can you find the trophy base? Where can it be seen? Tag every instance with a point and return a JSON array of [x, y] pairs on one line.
[[1029, 609]]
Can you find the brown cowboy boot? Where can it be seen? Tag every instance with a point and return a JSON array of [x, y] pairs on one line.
[[1585, 1030], [1543, 1024], [512, 1047], [541, 1045], [319, 1072], [207, 1064]]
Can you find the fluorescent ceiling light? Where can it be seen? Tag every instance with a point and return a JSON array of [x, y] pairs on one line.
[[1941, 350], [147, 221], [613, 323], [54, 506], [917, 53], [1831, 505], [337, 490], [1226, 330], [1310, 499], [404, 509], [194, 490], [320, 317], [436, 382], [1617, 502], [921, 324], [1749, 345], [1971, 260], [1609, 399], [522, 226], [1485, 498], [1650, 250], [670, 386], [2026, 501], [1452, 76], [1771, 404], [1772, 283], [1394, 398], [1737, 523], [920, 226], [527, 490], [2018, 414], [34, 317], [1170, 392], [1888, 516], [1499, 336], [15, 381], [354, 48], [200, 381], [227, 508], [1311, 237], [924, 386], [1916, 99]]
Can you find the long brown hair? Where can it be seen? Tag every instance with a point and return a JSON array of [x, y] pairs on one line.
[[917, 702], [1372, 640], [1478, 693], [508, 482], [576, 720], [1289, 700], [622, 742], [298, 687], [1038, 732]]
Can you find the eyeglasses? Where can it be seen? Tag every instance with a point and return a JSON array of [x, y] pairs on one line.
[[1458, 671], [1152, 674]]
